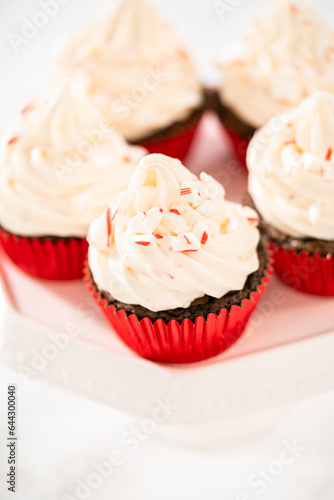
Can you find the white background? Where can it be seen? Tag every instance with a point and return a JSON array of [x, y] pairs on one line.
[[60, 435]]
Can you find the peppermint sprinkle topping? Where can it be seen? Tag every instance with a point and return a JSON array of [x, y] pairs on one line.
[[28, 108], [12, 140], [204, 238], [254, 220], [108, 225], [185, 191], [114, 215], [329, 154], [174, 211], [143, 243]]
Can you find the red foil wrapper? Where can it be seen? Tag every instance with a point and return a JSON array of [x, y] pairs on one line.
[[176, 147], [240, 145], [313, 274], [48, 258], [180, 343]]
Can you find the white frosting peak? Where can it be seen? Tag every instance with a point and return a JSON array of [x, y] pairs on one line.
[[292, 174], [128, 29], [62, 116], [171, 238], [60, 165], [315, 124], [135, 69], [288, 56]]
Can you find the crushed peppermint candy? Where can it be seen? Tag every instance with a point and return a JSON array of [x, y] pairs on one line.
[[193, 192], [139, 239], [12, 140], [253, 220], [143, 243], [185, 242], [112, 218], [329, 154], [28, 108], [109, 227], [204, 238], [145, 222], [201, 231]]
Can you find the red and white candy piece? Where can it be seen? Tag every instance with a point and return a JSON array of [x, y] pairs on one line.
[[214, 190], [185, 242], [201, 232], [251, 215], [192, 192], [175, 215], [329, 154], [140, 240], [146, 222], [13, 140], [118, 218]]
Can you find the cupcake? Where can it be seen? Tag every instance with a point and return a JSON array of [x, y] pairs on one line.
[[60, 163], [291, 182], [139, 74], [176, 268], [288, 56]]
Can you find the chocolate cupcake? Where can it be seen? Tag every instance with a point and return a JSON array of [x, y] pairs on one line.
[[176, 268], [291, 182], [139, 74], [287, 57], [61, 162]]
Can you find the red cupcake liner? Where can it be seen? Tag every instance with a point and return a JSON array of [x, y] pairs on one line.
[[176, 147], [313, 274], [48, 258], [240, 145], [187, 342]]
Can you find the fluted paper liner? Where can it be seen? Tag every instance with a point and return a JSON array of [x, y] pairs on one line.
[[184, 342], [47, 258], [308, 273]]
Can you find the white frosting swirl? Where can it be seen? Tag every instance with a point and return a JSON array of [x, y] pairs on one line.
[[291, 177], [60, 165], [171, 238], [135, 68], [289, 55]]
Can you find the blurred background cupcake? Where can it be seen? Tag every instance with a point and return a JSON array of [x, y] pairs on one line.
[[288, 55], [61, 163], [291, 181], [139, 74], [176, 268]]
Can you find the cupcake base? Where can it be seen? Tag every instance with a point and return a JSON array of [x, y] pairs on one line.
[[175, 140], [308, 273], [185, 335], [306, 265], [49, 258], [239, 132]]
